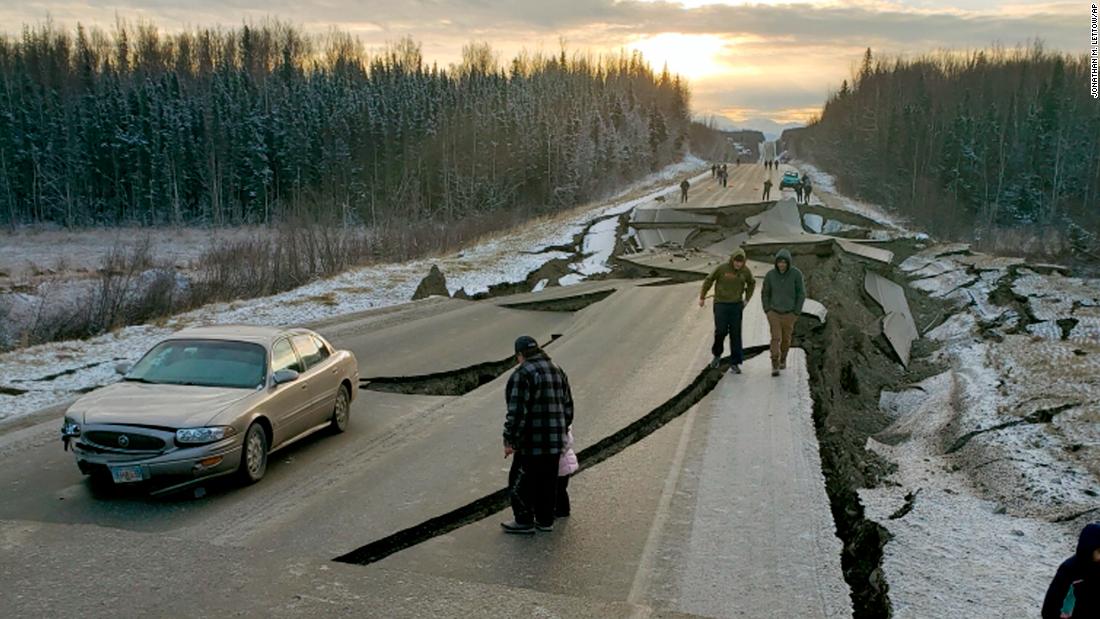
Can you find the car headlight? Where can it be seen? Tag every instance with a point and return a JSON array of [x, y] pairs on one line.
[[70, 428], [198, 436]]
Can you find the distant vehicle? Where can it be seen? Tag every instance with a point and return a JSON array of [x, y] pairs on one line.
[[211, 401], [790, 179]]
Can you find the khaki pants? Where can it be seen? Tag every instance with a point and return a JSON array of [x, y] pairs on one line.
[[782, 328]]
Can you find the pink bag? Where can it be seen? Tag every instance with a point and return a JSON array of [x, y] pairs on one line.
[[567, 464]]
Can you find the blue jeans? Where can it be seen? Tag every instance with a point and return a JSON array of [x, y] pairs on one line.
[[727, 321]]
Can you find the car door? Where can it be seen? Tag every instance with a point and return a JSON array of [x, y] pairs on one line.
[[322, 374], [289, 403]]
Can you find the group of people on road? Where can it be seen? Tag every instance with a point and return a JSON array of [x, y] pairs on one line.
[[720, 173], [803, 189], [771, 164], [782, 295], [538, 425]]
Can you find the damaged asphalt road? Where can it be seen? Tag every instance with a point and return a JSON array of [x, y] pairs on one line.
[[410, 495]]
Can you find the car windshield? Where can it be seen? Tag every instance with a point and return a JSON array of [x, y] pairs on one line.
[[206, 363]]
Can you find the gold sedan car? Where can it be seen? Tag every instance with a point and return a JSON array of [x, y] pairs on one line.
[[211, 401]]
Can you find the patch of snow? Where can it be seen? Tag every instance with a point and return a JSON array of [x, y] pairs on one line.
[[1048, 330], [540, 285], [937, 267], [958, 326], [597, 247], [1086, 331], [941, 560], [915, 263], [571, 279], [942, 285], [833, 226]]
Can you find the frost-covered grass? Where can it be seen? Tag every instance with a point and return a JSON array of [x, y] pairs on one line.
[[507, 257], [997, 448]]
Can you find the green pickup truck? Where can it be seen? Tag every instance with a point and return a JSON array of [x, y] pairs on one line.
[[790, 179]]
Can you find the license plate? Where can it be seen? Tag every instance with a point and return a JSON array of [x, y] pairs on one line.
[[126, 474]]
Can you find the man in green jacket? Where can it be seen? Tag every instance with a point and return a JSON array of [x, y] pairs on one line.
[[783, 295], [733, 286]]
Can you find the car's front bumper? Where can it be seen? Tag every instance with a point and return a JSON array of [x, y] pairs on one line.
[[172, 469]]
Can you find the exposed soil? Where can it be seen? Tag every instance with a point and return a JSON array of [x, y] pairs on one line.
[[850, 363]]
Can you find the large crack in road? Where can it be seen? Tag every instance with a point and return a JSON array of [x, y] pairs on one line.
[[607, 447]]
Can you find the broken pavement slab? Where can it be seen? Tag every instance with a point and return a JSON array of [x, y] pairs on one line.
[[898, 325], [865, 250], [815, 309], [781, 220]]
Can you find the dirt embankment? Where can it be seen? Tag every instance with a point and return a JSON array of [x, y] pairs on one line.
[[850, 363]]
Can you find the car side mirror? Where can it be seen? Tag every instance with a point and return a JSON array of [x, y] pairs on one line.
[[123, 368], [284, 376]]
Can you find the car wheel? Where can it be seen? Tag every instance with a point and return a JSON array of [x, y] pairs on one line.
[[253, 455], [341, 412]]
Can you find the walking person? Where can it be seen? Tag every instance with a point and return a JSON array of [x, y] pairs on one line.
[[1075, 591], [567, 465], [798, 192], [783, 294], [807, 187], [684, 190], [733, 287], [767, 189], [713, 170], [540, 411]]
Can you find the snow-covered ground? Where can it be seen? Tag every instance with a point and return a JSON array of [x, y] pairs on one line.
[[53, 373], [1002, 450]]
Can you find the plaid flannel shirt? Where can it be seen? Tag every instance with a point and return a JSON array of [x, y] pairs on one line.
[[540, 408]]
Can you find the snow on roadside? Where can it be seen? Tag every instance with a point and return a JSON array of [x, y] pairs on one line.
[[994, 452], [52, 373]]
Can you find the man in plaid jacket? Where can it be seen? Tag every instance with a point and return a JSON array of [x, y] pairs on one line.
[[540, 411]]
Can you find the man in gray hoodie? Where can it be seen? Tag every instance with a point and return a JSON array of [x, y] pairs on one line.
[[783, 294]]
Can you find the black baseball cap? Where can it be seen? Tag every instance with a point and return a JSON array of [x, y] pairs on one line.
[[526, 343]]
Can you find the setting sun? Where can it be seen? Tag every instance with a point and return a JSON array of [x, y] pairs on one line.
[[691, 55]]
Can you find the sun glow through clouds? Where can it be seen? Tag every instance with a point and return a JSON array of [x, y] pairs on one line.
[[693, 56]]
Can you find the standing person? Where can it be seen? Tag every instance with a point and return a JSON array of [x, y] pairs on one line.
[[733, 287], [807, 187], [1075, 591], [798, 192], [725, 176], [783, 295], [713, 170], [540, 410], [767, 189], [567, 465], [684, 190]]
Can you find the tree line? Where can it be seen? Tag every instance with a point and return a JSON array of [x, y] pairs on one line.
[[967, 142], [265, 123]]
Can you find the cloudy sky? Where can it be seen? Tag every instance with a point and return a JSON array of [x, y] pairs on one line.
[[755, 63]]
